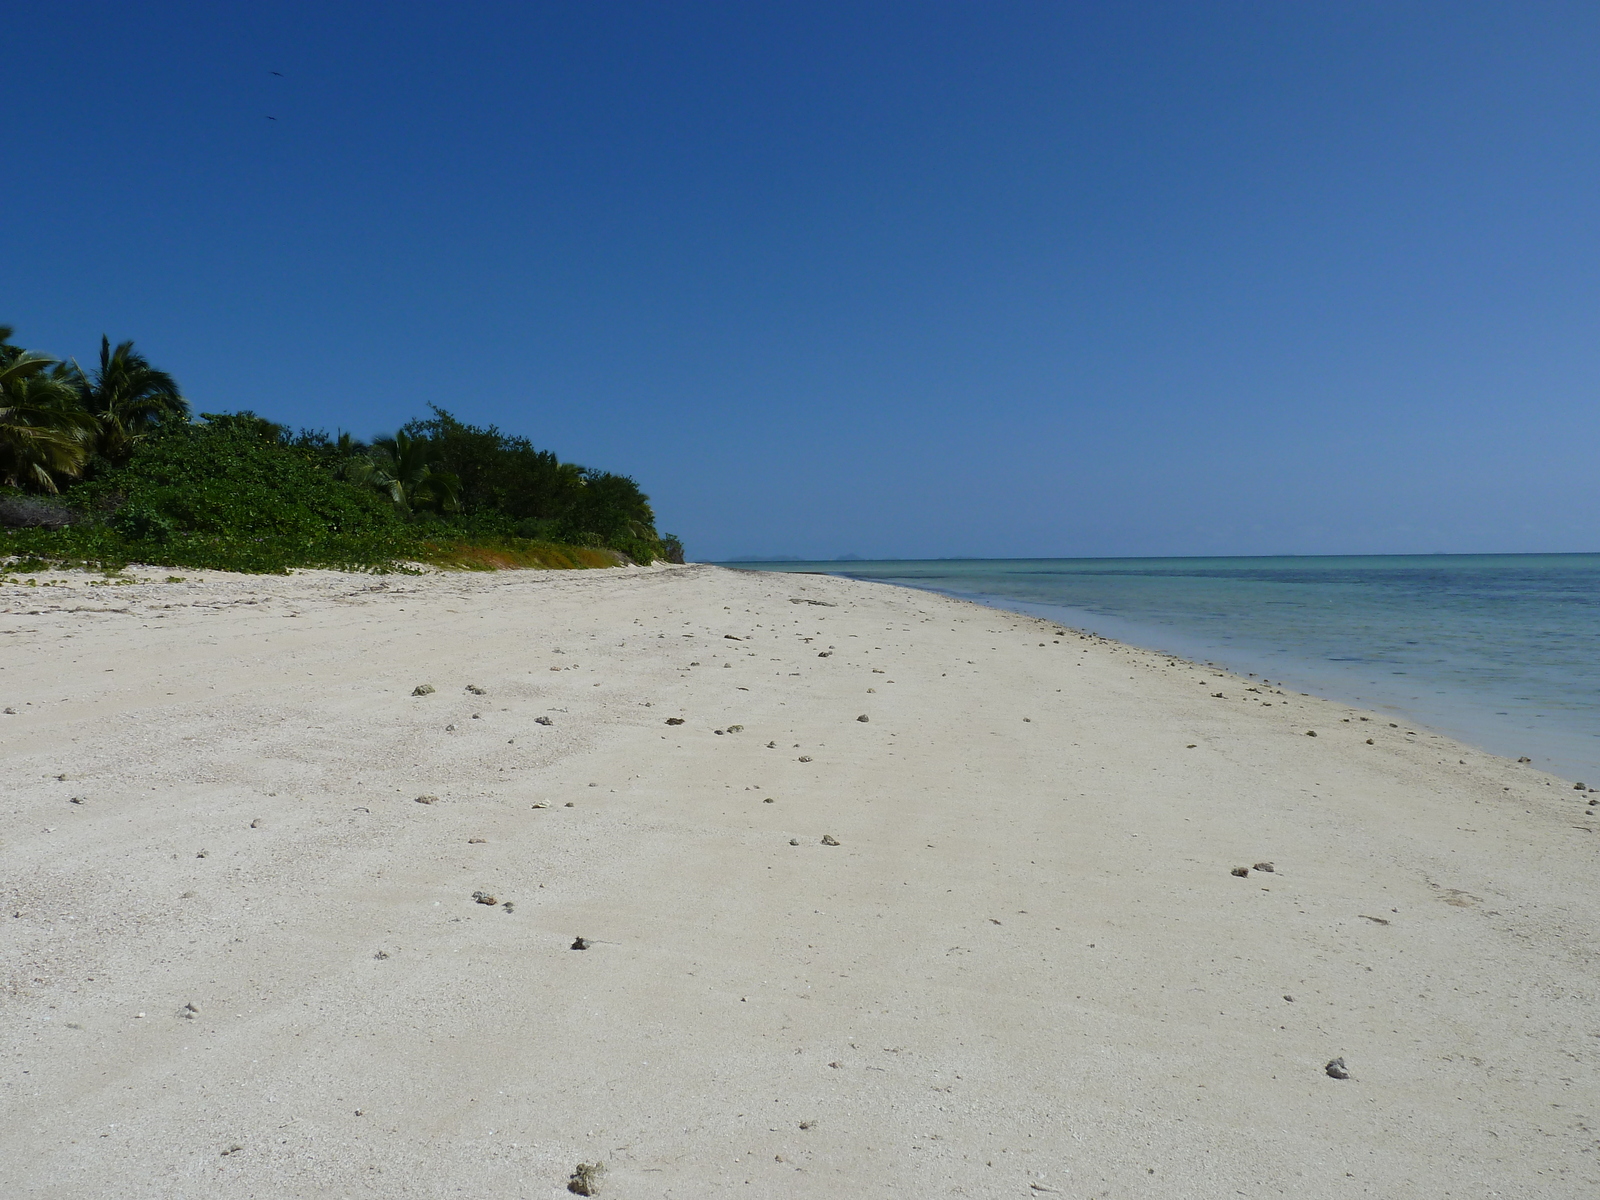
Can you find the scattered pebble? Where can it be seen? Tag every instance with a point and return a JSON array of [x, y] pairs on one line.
[[449, 728], [735, 728], [572, 804], [674, 720], [427, 799], [1520, 760], [1264, 866], [476, 690], [509, 906], [825, 654], [580, 944], [805, 758], [829, 840], [381, 954], [233, 1149], [1336, 1069], [256, 824], [1374, 920], [794, 841], [1311, 733], [1577, 787], [79, 799], [485, 898], [190, 1011], [863, 718], [541, 804], [1241, 872], [807, 1124], [475, 841], [543, 721], [770, 800], [422, 689]]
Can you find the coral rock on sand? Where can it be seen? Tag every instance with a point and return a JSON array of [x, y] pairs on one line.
[[427, 799], [1265, 866], [476, 690], [422, 689], [543, 721], [1241, 872], [1336, 1069], [585, 1179], [863, 718], [829, 840], [485, 898], [674, 720]]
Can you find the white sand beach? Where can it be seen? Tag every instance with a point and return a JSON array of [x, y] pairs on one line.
[[240, 959]]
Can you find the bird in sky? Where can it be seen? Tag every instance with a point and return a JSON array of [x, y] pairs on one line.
[[270, 118], [279, 74]]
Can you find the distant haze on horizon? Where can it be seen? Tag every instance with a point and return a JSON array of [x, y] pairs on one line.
[[899, 280]]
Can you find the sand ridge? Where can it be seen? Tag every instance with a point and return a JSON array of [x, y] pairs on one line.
[[1026, 967]]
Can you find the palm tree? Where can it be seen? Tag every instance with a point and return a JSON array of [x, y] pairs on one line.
[[43, 432], [129, 398], [399, 468]]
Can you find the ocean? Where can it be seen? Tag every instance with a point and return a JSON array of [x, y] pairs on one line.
[[1498, 650]]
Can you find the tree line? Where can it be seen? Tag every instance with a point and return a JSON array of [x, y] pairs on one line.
[[110, 464]]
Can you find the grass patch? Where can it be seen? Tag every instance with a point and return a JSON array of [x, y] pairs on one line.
[[513, 553]]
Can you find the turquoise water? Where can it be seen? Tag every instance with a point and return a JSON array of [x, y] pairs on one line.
[[1500, 650]]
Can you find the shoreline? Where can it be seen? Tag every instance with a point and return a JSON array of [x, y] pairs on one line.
[[1452, 706], [1026, 966]]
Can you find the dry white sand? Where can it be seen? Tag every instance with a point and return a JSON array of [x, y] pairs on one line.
[[1026, 969]]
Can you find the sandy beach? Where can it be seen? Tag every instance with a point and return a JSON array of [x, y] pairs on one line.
[[277, 926]]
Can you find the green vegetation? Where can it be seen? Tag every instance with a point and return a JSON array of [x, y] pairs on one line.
[[107, 467]]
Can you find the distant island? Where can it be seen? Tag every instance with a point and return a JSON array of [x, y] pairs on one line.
[[108, 467]]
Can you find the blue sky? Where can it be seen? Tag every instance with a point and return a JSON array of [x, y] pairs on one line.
[[904, 280]]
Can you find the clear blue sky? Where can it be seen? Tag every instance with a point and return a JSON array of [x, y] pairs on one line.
[[909, 280]]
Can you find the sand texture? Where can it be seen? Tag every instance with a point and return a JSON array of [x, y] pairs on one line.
[[240, 959]]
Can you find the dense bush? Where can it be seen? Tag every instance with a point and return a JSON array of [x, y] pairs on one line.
[[508, 486], [139, 481], [224, 494]]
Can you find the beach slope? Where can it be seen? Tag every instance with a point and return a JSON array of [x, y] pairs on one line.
[[882, 894]]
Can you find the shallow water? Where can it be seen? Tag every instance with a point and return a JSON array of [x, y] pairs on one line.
[[1500, 650]]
